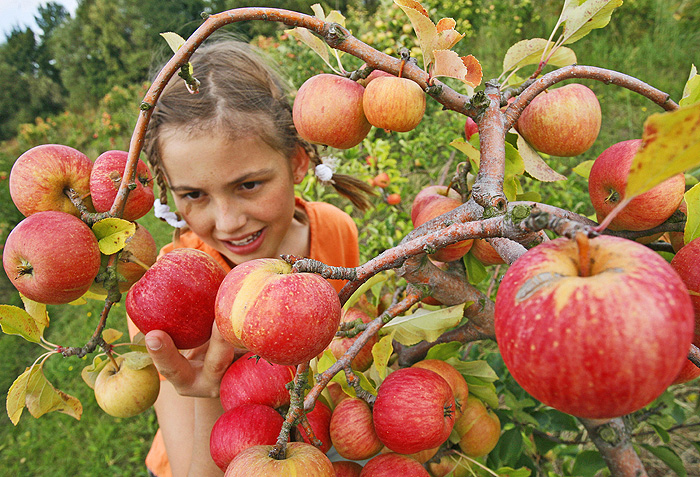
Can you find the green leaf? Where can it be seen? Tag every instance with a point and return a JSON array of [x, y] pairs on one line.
[[483, 390], [326, 361], [670, 145], [377, 279], [584, 168], [588, 463], [529, 52], [662, 433], [445, 351], [469, 150], [510, 472], [581, 18], [89, 373], [16, 321], [112, 234], [423, 324], [691, 91], [476, 271], [692, 223], [479, 369], [509, 448], [136, 360], [669, 457], [535, 165], [174, 40]]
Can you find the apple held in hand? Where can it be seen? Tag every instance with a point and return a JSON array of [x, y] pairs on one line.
[[283, 317], [51, 257], [562, 122], [302, 459], [606, 188], [106, 178], [253, 380], [177, 295], [130, 388], [339, 345], [240, 428], [414, 410], [328, 110], [570, 320], [39, 177], [394, 103], [139, 253]]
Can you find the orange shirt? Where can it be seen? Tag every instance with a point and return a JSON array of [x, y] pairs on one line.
[[332, 240]]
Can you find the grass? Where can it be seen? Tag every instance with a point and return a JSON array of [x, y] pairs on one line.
[[652, 46]]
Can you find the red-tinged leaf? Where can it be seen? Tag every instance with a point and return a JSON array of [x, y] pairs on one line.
[[16, 396], [474, 71], [447, 36], [446, 24], [16, 321], [466, 68], [42, 397], [535, 165]]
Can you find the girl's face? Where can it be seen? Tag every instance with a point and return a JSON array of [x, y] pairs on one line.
[[237, 196]]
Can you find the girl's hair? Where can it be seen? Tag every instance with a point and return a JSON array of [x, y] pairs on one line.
[[239, 95]]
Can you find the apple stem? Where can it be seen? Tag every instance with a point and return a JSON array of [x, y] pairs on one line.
[[403, 62], [584, 257], [110, 355]]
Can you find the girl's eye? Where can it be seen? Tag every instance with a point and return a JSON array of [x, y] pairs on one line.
[[192, 195], [251, 185]]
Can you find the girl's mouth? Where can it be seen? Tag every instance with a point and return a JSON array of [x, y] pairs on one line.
[[246, 245]]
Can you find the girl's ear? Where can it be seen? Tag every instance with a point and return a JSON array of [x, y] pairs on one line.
[[300, 164]]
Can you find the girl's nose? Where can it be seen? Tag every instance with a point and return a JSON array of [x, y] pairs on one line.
[[228, 218]]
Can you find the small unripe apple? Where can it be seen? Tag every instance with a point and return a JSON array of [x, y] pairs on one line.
[[130, 388], [562, 122], [328, 110], [381, 180], [393, 199], [394, 103]]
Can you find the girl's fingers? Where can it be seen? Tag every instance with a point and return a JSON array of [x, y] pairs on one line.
[[168, 361], [218, 358]]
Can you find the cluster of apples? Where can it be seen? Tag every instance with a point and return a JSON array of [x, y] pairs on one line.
[[336, 111], [52, 256], [415, 411]]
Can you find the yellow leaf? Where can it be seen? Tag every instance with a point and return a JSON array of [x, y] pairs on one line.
[[581, 18], [174, 40], [381, 352], [16, 396], [112, 234], [425, 29], [110, 335], [42, 397], [312, 41], [37, 311], [670, 145], [529, 52], [326, 361], [691, 91], [89, 373], [136, 360], [16, 321], [535, 165], [423, 324], [692, 224], [584, 168], [471, 152]]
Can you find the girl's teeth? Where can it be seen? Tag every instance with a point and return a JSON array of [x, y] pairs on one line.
[[247, 240]]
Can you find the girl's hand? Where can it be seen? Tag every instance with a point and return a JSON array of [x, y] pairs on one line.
[[194, 372]]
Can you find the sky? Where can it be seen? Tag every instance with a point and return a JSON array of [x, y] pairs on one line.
[[21, 13]]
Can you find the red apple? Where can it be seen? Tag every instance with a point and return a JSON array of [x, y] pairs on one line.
[[328, 110], [430, 194], [240, 428], [177, 295], [336, 392], [320, 421], [393, 199], [39, 177], [283, 317], [393, 465], [450, 464], [685, 263], [347, 468], [470, 128], [139, 253], [568, 320], [352, 430], [606, 188], [373, 75], [51, 257], [414, 410], [339, 345], [479, 428], [253, 380], [437, 207], [562, 122], [302, 459], [484, 252], [106, 178], [394, 103], [459, 386], [381, 180]]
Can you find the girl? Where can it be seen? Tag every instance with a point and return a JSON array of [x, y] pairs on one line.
[[230, 156]]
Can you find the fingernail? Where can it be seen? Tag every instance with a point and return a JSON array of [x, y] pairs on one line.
[[153, 343]]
